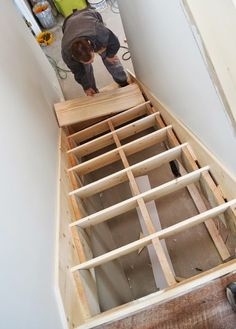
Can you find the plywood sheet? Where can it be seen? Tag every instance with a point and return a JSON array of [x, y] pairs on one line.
[[105, 103]]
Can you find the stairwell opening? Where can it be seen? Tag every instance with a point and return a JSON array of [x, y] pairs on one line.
[[143, 224]]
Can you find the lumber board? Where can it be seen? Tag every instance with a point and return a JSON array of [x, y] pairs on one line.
[[107, 139], [131, 203], [138, 169], [204, 307], [113, 155], [210, 225], [161, 283], [163, 234], [105, 103], [164, 296], [72, 248], [189, 159], [221, 174], [214, 195], [166, 268], [102, 126]]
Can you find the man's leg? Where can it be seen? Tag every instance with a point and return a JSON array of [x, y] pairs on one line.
[[90, 76], [116, 70]]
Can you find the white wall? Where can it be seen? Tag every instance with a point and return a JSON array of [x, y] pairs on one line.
[[167, 59], [28, 176], [219, 42], [25, 9]]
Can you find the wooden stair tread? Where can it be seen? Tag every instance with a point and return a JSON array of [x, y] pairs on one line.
[[105, 103]]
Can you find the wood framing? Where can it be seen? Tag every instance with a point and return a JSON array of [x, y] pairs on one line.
[[190, 162], [79, 303], [221, 175], [138, 169], [163, 234], [153, 194], [109, 102], [166, 268], [147, 119], [102, 126], [129, 148], [206, 306], [122, 133]]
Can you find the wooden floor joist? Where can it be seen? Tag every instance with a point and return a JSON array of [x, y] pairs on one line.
[[163, 234], [190, 161], [129, 204], [107, 139], [122, 317], [117, 120], [136, 116], [165, 266], [138, 169], [129, 148], [210, 225]]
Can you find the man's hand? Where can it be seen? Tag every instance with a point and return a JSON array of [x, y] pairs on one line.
[[113, 60], [90, 92]]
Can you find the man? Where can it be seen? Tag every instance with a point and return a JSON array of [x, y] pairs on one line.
[[84, 35]]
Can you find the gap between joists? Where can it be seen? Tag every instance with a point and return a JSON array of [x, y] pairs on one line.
[[164, 133], [131, 203], [163, 234], [117, 120], [129, 148], [190, 162], [107, 139], [169, 276], [138, 169]]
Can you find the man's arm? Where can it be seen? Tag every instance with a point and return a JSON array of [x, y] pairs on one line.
[[113, 45], [107, 40]]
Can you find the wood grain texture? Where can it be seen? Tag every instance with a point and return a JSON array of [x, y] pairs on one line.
[[138, 169], [203, 308], [162, 234], [166, 268], [220, 173], [131, 203], [189, 160], [107, 139], [78, 302], [109, 102], [102, 126]]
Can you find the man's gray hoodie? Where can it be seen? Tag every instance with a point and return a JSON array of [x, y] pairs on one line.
[[86, 24]]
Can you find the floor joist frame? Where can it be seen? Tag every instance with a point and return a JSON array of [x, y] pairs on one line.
[[145, 116]]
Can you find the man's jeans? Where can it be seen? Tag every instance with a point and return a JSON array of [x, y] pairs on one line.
[[116, 70]]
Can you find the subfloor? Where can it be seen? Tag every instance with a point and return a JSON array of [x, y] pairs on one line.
[[191, 251], [71, 89]]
